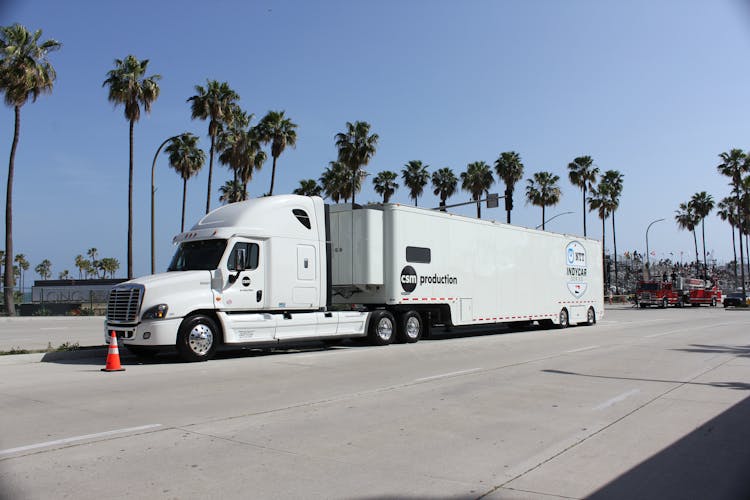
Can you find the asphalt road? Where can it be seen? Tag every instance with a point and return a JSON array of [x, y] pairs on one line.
[[646, 404]]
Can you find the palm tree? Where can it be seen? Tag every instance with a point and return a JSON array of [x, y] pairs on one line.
[[129, 86], [229, 142], [510, 169], [25, 73], [308, 187], [23, 266], [477, 180], [44, 269], [601, 201], [444, 182], [582, 173], [734, 165], [385, 184], [215, 102], [110, 265], [80, 263], [613, 180], [186, 158], [356, 147], [702, 204], [686, 219], [231, 192], [335, 182], [280, 131], [727, 212], [65, 275], [543, 191], [415, 177]]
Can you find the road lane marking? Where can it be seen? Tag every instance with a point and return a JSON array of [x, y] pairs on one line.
[[69, 440], [55, 328], [617, 399], [446, 375], [582, 349]]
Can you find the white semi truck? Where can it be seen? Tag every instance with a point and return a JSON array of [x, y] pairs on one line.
[[285, 268]]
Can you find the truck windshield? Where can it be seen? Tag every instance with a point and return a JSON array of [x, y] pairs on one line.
[[202, 255]]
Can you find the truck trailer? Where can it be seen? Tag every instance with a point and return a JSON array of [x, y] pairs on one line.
[[287, 268]]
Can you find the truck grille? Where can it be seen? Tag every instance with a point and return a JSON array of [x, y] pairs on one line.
[[124, 304]]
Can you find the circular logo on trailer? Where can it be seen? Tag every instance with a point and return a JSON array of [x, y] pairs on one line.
[[245, 281], [408, 279], [576, 270]]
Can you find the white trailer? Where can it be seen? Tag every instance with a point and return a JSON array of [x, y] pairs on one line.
[[288, 267]]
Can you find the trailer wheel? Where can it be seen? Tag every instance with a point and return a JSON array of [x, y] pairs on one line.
[[197, 338], [564, 319], [642, 305], [664, 303], [713, 301], [381, 329], [590, 316], [410, 327]]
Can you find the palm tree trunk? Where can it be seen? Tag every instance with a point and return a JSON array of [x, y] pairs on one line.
[[604, 247], [273, 177], [542, 217], [479, 208], [703, 238], [697, 258], [584, 210], [742, 256], [210, 173], [10, 308], [734, 251], [614, 241], [184, 195], [130, 205]]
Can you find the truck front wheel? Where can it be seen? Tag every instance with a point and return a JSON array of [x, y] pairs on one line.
[[381, 329], [564, 319], [197, 338], [590, 316], [410, 327]]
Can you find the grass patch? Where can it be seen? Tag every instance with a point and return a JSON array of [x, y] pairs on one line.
[[64, 347]]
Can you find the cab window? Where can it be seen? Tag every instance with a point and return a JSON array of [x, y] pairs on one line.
[[251, 251]]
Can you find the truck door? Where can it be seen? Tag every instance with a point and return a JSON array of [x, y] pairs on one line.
[[244, 277]]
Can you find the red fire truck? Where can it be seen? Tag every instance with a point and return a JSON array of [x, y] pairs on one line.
[[657, 293], [697, 292]]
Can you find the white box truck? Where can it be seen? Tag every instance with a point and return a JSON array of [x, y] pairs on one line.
[[289, 267]]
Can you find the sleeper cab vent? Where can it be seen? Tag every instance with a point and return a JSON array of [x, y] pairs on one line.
[[302, 217]]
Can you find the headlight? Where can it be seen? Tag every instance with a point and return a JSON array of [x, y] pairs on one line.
[[156, 312]]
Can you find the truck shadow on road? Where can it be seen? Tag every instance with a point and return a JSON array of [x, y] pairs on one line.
[[738, 350]]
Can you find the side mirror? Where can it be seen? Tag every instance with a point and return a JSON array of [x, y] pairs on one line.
[[240, 258]]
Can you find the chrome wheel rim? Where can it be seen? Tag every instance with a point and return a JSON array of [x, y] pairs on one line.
[[563, 318], [385, 329], [201, 339], [412, 327], [591, 316]]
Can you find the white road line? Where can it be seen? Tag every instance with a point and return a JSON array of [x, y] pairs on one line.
[[58, 442], [617, 399], [445, 375], [582, 349], [55, 328]]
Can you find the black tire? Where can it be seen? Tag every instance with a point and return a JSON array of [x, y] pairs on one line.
[[382, 328], [141, 351], [713, 301], [410, 327], [664, 303], [643, 306], [198, 338], [591, 316], [563, 318]]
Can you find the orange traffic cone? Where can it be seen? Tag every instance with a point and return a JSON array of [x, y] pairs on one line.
[[113, 356]]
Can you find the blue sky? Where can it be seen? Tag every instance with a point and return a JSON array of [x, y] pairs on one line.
[[655, 90]]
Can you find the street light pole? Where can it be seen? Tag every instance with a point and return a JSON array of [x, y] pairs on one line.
[[153, 190], [648, 261], [551, 218]]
